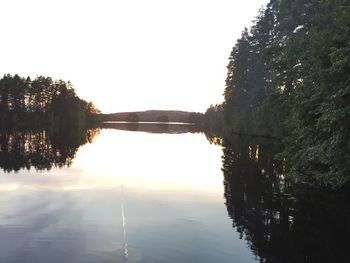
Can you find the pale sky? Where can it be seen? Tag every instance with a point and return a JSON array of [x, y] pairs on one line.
[[127, 55]]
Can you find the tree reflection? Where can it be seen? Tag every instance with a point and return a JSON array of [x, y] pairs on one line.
[[41, 149], [282, 221], [152, 127]]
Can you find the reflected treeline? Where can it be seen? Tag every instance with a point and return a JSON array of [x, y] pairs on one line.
[[282, 221], [152, 127], [42, 149]]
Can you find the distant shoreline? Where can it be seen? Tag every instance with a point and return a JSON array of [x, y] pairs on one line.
[[150, 122], [155, 116]]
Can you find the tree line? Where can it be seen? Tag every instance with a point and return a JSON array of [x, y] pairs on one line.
[[288, 77], [42, 101]]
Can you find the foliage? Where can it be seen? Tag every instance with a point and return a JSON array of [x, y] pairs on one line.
[[213, 118], [288, 77], [42, 101]]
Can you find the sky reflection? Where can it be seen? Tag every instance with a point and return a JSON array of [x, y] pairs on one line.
[[160, 196], [137, 160]]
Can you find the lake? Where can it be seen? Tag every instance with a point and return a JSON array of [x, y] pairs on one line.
[[158, 193]]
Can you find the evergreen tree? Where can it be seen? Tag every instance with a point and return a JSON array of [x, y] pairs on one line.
[[288, 77], [42, 101]]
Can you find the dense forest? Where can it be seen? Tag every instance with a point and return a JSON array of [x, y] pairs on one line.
[[42, 101], [288, 77]]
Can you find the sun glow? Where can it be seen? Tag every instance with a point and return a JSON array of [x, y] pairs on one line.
[[140, 161], [176, 161], [127, 55]]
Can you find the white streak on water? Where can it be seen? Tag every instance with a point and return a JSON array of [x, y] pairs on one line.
[[125, 244]]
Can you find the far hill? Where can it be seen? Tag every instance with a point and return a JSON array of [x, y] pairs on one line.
[[155, 116]]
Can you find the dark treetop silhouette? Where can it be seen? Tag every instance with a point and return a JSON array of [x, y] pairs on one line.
[[42, 101], [288, 77]]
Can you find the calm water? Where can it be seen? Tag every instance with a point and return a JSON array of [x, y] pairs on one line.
[[115, 195]]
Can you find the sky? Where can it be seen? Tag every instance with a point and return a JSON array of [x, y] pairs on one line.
[[127, 55]]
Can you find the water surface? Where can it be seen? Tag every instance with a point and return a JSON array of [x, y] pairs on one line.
[[160, 193], [125, 197]]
